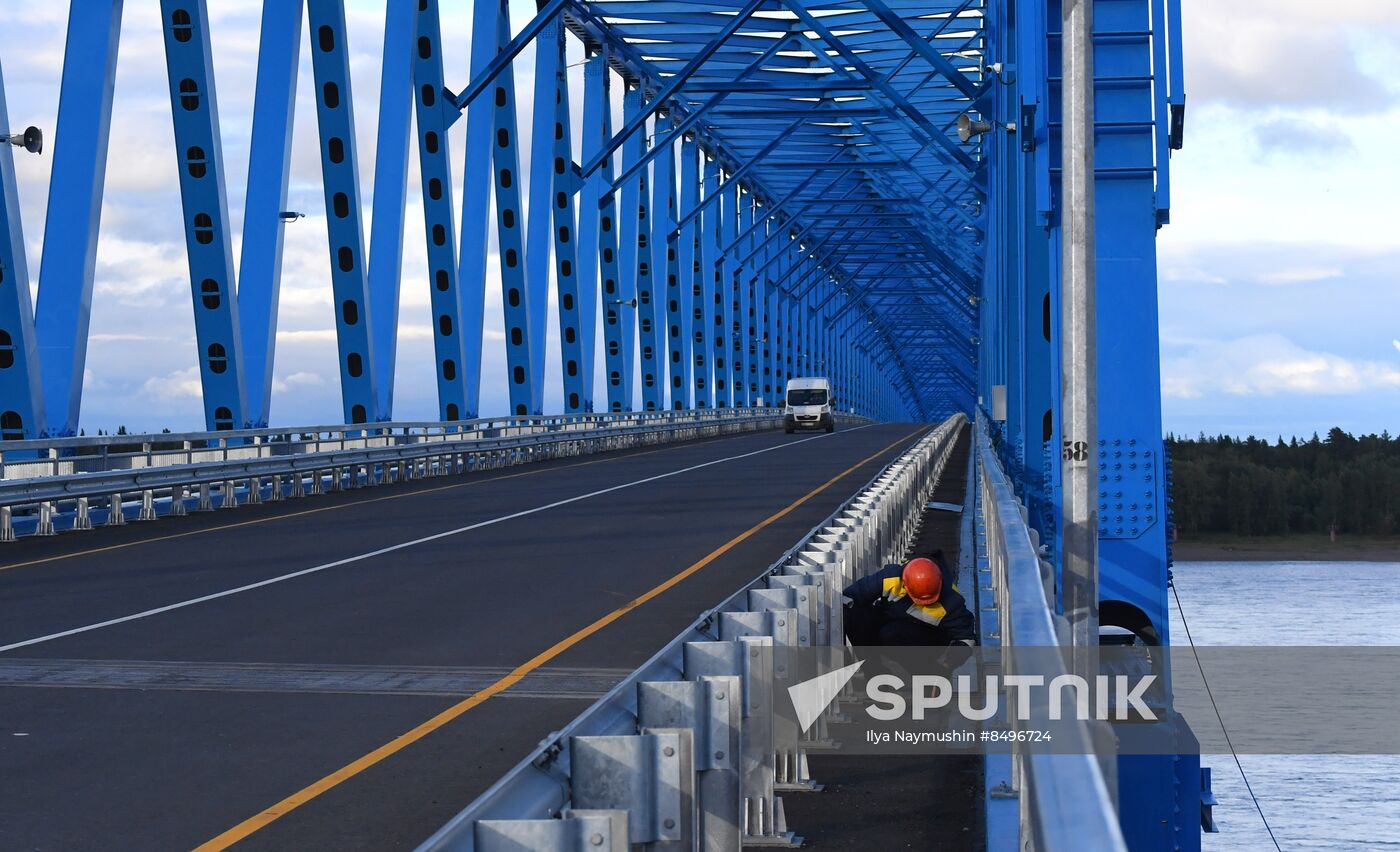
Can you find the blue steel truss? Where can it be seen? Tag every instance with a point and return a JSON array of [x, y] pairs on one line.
[[764, 189], [791, 198]]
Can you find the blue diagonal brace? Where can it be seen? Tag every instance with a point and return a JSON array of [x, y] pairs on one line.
[[340, 178], [455, 383], [20, 392], [75, 208], [260, 270], [195, 110], [390, 193]]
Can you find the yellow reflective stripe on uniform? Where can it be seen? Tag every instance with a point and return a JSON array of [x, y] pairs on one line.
[[928, 614], [893, 588]]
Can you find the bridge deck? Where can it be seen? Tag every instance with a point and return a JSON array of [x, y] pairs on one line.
[[164, 730], [905, 802]]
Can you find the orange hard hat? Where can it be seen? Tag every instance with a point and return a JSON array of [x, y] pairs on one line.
[[923, 581]]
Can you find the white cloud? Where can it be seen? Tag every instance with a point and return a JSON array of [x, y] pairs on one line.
[[181, 384], [1247, 52], [1396, 344], [1300, 275], [1268, 365], [302, 379]]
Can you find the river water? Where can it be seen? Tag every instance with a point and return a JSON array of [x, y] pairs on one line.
[[1330, 802]]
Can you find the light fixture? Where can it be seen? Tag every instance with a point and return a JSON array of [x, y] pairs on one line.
[[969, 127], [31, 140], [290, 215], [631, 303]]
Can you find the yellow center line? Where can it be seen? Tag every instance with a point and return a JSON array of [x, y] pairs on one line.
[[272, 814], [304, 512]]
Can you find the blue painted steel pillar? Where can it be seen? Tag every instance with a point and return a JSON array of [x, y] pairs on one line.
[[725, 213], [651, 242], [455, 384], [20, 392], [525, 393], [269, 159], [648, 363], [696, 276], [665, 229], [709, 313], [687, 255], [540, 213], [590, 195], [334, 109], [597, 124], [574, 337], [75, 208], [743, 305], [402, 48], [763, 316], [634, 240], [195, 110], [476, 204]]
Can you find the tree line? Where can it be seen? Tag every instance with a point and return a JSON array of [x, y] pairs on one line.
[[1335, 485]]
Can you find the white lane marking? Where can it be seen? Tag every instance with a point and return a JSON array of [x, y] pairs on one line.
[[400, 546]]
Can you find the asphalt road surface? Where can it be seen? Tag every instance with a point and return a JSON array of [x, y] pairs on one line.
[[349, 670]]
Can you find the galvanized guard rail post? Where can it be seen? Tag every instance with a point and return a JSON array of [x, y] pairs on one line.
[[709, 695], [1064, 800]]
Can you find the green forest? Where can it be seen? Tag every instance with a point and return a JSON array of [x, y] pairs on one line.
[[1250, 487]]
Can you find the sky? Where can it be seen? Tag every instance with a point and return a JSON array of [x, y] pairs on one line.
[[1279, 296]]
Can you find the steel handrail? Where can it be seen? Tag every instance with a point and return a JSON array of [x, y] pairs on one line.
[[1067, 805], [55, 456], [343, 464]]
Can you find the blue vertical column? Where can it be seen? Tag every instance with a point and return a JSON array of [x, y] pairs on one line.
[[780, 340], [724, 296], [335, 114], [597, 127], [20, 391], [688, 252], [454, 383], [651, 241], [743, 304], [524, 391], [705, 336], [269, 159], [717, 227], [763, 316], [667, 217], [634, 237], [75, 208], [699, 275], [590, 195], [574, 337], [476, 204], [195, 112], [396, 98], [540, 213]]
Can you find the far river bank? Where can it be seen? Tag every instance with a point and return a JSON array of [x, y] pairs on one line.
[[1291, 548]]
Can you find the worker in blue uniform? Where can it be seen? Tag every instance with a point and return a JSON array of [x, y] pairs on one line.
[[910, 604]]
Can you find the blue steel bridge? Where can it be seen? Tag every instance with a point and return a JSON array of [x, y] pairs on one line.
[[378, 634]]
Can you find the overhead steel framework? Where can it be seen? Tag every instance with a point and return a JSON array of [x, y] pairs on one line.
[[785, 192]]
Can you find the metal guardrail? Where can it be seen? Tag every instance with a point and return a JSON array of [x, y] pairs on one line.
[[278, 465], [1065, 803], [683, 751], [89, 454]]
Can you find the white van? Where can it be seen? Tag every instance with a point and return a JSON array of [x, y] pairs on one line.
[[808, 405]]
